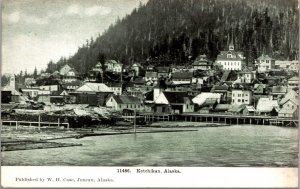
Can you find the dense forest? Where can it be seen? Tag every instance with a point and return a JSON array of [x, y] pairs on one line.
[[176, 31]]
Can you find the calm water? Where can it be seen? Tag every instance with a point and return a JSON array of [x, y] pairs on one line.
[[268, 146]]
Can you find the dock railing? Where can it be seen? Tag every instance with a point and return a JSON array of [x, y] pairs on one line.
[[38, 124]]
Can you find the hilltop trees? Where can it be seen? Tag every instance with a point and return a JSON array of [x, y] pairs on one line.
[[178, 31]]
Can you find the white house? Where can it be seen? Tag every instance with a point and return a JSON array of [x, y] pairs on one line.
[[116, 88], [267, 106], [113, 66], [68, 74], [231, 59], [121, 102], [265, 63], [241, 96], [290, 108]]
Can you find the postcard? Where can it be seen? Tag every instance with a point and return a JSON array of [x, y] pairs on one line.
[[149, 93]]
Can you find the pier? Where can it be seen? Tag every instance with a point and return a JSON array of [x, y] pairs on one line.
[[221, 118], [38, 124]]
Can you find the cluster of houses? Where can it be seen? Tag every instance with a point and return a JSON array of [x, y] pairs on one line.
[[268, 88]]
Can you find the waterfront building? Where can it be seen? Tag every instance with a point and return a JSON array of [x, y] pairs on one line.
[[239, 96], [265, 63], [122, 102], [267, 106], [231, 59], [203, 98], [173, 102], [94, 94], [289, 108]]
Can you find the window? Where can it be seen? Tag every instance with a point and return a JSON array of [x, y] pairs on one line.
[[232, 100], [239, 100], [242, 100]]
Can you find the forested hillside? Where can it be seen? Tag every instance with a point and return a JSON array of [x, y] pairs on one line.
[[178, 30]]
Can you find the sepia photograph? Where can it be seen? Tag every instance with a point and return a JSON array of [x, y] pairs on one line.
[[147, 87]]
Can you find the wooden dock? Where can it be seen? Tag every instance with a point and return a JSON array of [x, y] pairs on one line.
[[222, 118], [36, 124]]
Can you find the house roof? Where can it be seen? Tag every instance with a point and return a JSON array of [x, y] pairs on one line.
[[93, 87], [73, 83], [250, 108], [217, 88], [114, 84], [223, 55], [222, 107], [151, 74], [201, 98], [279, 89], [266, 105], [236, 107], [259, 85], [124, 99], [210, 101], [294, 78], [65, 69], [285, 100], [176, 97], [182, 75]]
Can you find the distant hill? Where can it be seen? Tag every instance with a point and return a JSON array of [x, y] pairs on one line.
[[176, 31]]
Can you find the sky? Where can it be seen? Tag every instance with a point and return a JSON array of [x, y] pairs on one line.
[[37, 31]]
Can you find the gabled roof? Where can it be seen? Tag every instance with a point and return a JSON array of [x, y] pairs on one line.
[[294, 79], [176, 97], [223, 55], [93, 87], [123, 99], [236, 108], [279, 89], [65, 69], [222, 107], [182, 75], [293, 100], [266, 105], [201, 98], [217, 88], [259, 85], [265, 57]]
